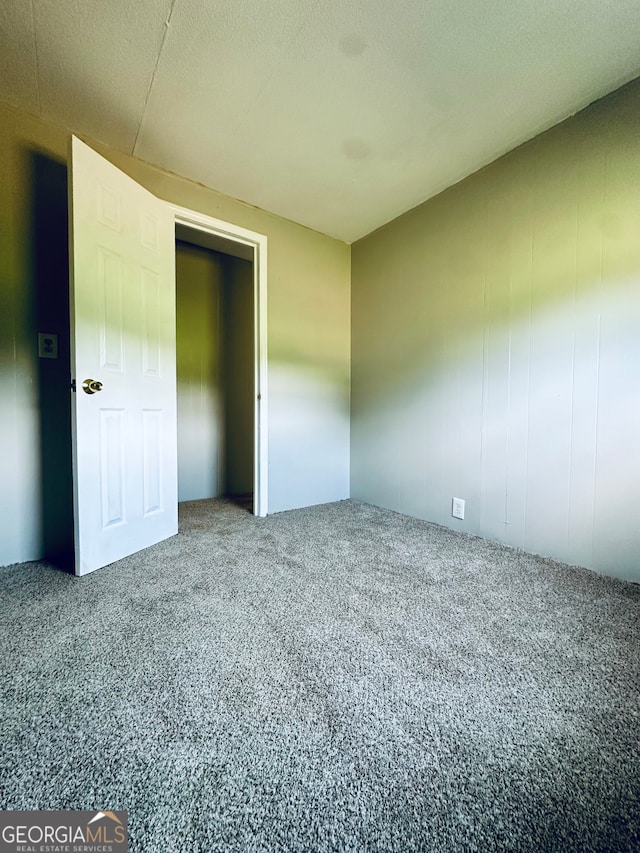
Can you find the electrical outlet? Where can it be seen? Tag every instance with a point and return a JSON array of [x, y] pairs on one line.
[[47, 345], [457, 508]]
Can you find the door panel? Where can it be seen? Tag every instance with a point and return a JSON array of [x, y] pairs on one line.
[[123, 336]]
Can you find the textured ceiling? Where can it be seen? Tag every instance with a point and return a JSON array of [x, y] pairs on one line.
[[336, 115]]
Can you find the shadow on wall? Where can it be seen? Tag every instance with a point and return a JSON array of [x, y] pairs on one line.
[[48, 271]]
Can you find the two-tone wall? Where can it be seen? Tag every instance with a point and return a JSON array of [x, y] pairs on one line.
[[496, 348], [495, 345], [308, 340]]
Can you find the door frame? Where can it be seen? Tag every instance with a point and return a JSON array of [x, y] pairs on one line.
[[258, 243]]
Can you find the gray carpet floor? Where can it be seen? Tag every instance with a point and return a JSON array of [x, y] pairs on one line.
[[339, 678]]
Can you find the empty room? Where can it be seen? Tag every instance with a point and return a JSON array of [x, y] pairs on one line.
[[320, 389]]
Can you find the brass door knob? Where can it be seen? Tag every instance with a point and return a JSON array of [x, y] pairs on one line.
[[91, 386]]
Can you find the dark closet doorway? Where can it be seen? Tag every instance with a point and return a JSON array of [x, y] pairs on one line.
[[215, 365]]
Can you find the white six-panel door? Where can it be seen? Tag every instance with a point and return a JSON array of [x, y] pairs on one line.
[[122, 336]]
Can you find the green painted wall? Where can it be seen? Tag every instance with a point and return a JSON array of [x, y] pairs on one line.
[[496, 348]]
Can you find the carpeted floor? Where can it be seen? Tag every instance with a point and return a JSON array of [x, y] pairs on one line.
[[339, 678]]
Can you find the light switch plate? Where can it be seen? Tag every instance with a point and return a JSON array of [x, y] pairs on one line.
[[47, 345]]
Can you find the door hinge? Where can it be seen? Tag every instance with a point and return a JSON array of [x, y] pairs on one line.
[[73, 384]]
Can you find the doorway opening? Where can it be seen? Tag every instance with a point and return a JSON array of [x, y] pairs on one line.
[[221, 361], [214, 370]]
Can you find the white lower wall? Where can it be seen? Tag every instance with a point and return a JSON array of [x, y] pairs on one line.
[[309, 439]]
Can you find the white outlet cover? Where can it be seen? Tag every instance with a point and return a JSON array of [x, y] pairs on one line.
[[457, 508]]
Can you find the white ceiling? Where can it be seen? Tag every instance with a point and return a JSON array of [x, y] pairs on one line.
[[337, 115]]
